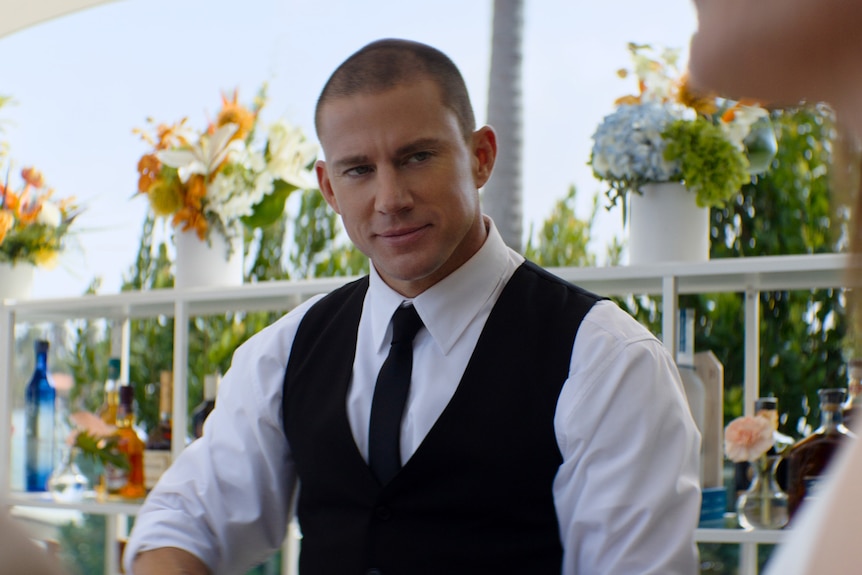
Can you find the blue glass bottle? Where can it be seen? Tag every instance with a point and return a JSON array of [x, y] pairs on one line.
[[39, 400]]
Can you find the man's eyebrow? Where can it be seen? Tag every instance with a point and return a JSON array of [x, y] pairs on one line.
[[349, 162], [418, 145]]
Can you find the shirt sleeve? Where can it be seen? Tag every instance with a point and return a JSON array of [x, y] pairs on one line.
[[226, 499], [628, 491]]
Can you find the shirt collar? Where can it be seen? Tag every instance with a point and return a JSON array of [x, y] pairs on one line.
[[447, 307]]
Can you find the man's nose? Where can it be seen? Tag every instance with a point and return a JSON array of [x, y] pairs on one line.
[[393, 194]]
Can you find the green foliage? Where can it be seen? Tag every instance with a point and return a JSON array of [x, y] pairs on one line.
[[790, 210], [315, 253], [712, 168], [100, 452], [563, 239], [82, 549]]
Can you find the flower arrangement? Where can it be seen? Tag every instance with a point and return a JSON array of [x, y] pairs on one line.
[[95, 439], [748, 438], [668, 132], [223, 176], [33, 224]]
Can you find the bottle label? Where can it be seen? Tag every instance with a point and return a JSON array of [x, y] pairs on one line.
[[156, 461], [813, 484], [115, 478]]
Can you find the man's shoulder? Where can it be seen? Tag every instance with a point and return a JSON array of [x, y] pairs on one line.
[[547, 278]]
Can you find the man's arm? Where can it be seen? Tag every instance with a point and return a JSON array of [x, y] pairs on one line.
[[627, 493], [169, 561], [781, 51], [226, 500]]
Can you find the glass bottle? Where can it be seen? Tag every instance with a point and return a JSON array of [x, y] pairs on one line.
[[853, 405], [809, 458], [108, 409], [743, 472], [130, 445], [203, 409], [157, 457], [67, 484], [764, 504], [39, 413]]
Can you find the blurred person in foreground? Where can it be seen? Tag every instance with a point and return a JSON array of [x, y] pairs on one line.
[[786, 52], [545, 430], [19, 555]]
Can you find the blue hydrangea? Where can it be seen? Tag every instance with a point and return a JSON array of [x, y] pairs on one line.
[[628, 146]]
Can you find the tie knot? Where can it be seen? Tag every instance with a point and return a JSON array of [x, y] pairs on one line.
[[405, 324]]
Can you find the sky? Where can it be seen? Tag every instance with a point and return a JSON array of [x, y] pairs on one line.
[[81, 83]]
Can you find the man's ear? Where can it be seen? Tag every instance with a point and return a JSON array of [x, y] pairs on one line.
[[325, 185], [484, 154]]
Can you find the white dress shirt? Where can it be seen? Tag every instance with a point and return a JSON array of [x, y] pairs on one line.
[[627, 493]]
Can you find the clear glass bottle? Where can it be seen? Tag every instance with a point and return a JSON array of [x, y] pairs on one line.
[[203, 409], [853, 405], [130, 445], [809, 458], [40, 416]]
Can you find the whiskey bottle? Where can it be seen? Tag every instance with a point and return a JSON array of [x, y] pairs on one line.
[[809, 458], [853, 406], [108, 409], [39, 422], [130, 445], [203, 409], [157, 457]]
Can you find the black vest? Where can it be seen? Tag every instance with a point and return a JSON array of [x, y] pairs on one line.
[[476, 496]]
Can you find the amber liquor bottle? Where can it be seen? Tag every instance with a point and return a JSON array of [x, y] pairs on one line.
[[157, 457], [808, 460], [108, 409], [130, 445], [203, 409]]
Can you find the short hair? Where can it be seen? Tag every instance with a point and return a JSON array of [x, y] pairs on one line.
[[385, 64]]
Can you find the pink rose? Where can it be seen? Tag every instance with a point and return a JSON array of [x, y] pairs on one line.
[[747, 438], [92, 424]]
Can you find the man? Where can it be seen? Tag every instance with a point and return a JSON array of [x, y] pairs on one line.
[[545, 431]]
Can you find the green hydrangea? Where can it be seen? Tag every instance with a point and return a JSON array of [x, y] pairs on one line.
[[711, 167]]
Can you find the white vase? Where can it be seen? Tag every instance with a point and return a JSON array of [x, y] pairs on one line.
[[666, 225], [208, 264], [16, 280]]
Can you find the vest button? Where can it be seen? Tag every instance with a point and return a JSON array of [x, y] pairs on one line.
[[383, 513], [374, 572]]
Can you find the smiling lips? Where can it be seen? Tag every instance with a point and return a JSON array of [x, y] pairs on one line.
[[400, 235]]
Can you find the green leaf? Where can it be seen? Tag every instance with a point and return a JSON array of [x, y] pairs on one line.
[[271, 207]]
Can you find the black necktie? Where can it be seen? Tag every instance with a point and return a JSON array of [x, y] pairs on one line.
[[390, 395]]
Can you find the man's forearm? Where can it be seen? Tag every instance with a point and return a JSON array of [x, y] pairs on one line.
[[168, 561]]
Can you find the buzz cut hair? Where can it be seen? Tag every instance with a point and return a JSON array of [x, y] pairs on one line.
[[385, 64]]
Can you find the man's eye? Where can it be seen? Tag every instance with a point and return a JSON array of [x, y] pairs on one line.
[[358, 171], [418, 157]]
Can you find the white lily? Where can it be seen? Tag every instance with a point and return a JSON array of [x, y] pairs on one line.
[[205, 156], [49, 215], [290, 154], [738, 128]]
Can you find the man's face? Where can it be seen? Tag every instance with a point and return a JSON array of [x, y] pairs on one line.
[[405, 182]]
